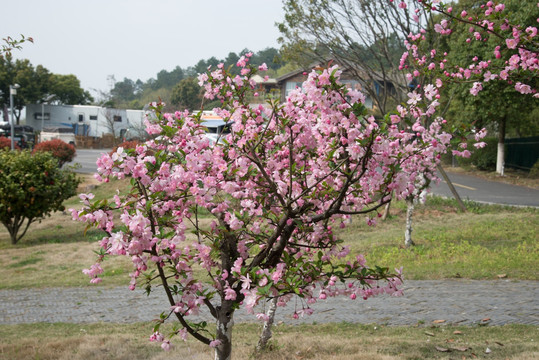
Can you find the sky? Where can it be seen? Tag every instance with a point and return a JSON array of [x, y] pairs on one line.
[[136, 39]]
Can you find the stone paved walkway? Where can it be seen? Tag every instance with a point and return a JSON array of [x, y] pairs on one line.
[[464, 302]]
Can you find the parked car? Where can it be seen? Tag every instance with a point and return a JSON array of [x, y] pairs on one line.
[[65, 134], [217, 128], [24, 134]]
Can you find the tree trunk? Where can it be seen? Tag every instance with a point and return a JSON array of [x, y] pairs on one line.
[[266, 330], [6, 116], [501, 147], [409, 213], [386, 210], [451, 187], [225, 324], [13, 236]]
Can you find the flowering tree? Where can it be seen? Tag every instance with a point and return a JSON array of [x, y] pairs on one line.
[[275, 189], [506, 53]]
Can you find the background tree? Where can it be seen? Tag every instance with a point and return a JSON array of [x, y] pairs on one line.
[[269, 56], [123, 92], [31, 187], [515, 117], [112, 119], [68, 91], [364, 36], [187, 94], [136, 94], [17, 72], [167, 79], [36, 84]]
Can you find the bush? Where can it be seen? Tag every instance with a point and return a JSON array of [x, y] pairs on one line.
[[31, 187], [5, 143], [59, 149], [482, 159]]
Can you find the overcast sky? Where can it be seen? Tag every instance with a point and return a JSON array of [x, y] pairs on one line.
[[136, 39]]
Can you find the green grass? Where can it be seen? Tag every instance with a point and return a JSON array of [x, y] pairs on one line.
[[100, 190], [482, 243], [320, 341]]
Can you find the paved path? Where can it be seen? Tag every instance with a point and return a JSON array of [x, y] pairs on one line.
[[87, 158], [481, 190], [463, 302]]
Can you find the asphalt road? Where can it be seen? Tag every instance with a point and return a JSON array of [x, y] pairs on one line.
[[87, 159], [468, 187], [480, 190]]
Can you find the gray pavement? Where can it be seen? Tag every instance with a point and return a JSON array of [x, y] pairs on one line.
[[87, 158], [462, 302], [485, 191]]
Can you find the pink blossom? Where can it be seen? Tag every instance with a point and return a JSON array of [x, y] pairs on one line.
[[523, 88], [511, 43], [166, 345], [156, 337], [241, 62], [235, 223], [480, 134], [476, 88], [414, 98], [230, 294], [245, 282], [480, 145], [262, 317]]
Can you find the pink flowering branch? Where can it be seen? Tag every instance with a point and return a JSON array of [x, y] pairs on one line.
[[520, 44]]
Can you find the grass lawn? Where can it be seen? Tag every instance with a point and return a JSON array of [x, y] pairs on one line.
[[323, 341], [486, 242]]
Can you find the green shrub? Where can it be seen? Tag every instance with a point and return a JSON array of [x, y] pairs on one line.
[[59, 149], [32, 186]]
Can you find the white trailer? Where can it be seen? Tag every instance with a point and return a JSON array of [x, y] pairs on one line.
[[87, 120]]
